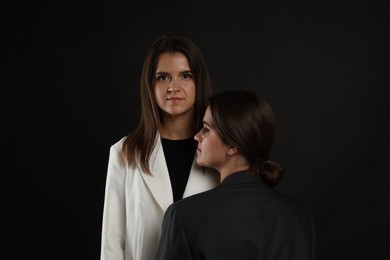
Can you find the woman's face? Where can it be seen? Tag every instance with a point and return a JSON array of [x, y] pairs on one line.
[[212, 151], [174, 88]]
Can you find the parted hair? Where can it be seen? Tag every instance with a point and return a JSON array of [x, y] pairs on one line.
[[139, 143], [244, 119]]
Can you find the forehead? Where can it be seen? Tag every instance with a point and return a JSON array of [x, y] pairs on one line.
[[172, 61], [208, 118]]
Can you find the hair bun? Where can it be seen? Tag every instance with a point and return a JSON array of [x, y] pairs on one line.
[[272, 173]]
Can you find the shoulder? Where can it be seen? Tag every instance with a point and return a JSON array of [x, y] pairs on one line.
[[117, 160], [290, 206], [117, 146], [199, 201], [115, 152]]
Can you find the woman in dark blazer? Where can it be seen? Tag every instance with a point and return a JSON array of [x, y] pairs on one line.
[[243, 217]]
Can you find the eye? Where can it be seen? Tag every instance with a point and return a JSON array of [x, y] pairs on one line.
[[187, 75], [162, 77], [204, 130]]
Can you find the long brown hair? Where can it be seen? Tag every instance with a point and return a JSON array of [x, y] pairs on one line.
[[244, 120], [138, 144]]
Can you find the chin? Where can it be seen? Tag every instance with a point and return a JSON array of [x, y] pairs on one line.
[[199, 162]]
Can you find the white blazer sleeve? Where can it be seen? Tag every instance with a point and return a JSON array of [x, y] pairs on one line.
[[114, 212]]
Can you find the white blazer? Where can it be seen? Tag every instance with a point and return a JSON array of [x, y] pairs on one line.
[[135, 203]]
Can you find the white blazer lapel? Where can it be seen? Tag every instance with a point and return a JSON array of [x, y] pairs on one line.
[[200, 179], [159, 182]]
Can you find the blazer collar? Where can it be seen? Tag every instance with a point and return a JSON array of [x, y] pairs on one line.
[[159, 182], [242, 177]]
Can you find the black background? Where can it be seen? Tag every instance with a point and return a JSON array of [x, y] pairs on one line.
[[70, 89]]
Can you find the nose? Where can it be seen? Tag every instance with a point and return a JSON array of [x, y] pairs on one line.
[[198, 137], [172, 90], [173, 85]]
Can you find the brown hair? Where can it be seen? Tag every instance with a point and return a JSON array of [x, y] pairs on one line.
[[139, 143], [244, 120]]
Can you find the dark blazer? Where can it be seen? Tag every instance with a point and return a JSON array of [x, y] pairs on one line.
[[242, 218]]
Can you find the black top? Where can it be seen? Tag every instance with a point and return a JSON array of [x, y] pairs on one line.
[[242, 218], [179, 155]]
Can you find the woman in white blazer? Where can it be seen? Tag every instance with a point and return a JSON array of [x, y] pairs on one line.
[[154, 165]]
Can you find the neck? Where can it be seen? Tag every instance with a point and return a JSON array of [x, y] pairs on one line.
[[177, 127], [234, 164]]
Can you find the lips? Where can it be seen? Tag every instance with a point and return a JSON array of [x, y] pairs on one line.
[[174, 98]]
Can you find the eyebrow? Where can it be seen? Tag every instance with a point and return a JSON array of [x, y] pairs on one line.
[[181, 72], [205, 123], [161, 72]]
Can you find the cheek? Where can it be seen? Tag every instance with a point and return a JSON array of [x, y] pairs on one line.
[[158, 93], [215, 148], [191, 92]]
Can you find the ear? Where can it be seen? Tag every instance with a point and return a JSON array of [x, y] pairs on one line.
[[231, 150]]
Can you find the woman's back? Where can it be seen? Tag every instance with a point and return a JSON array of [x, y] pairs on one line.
[[243, 218]]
